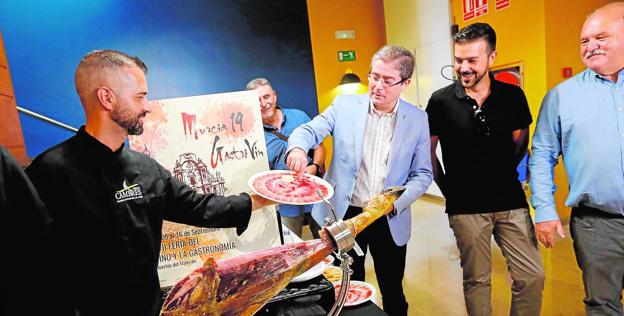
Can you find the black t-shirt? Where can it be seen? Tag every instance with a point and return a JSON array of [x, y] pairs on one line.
[[107, 210], [480, 171]]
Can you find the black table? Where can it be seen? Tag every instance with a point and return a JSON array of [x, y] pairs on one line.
[[368, 308], [313, 298]]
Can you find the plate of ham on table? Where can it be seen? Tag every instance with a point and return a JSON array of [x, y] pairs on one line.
[[289, 187], [359, 292]]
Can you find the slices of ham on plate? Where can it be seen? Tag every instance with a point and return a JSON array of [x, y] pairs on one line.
[[359, 292], [288, 187]]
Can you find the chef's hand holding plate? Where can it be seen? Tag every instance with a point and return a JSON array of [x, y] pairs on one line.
[[258, 202], [297, 160]]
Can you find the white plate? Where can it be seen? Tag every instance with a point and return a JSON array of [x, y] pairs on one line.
[[311, 273], [359, 292], [329, 260], [289, 179]]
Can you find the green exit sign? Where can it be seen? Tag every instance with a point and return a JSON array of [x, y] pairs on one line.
[[346, 55]]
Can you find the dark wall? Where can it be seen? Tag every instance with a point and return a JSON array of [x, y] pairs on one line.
[[190, 47]]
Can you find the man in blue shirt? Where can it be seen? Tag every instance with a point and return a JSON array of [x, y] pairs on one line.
[[278, 123], [582, 119]]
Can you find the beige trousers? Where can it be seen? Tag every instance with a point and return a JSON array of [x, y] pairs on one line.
[[514, 233]]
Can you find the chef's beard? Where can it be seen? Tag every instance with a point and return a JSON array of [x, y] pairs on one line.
[[128, 119]]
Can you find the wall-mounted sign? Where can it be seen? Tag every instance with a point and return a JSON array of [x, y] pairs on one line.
[[501, 4], [511, 74], [474, 9], [346, 55], [514, 74], [345, 34]]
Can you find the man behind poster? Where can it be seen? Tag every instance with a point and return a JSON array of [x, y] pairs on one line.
[[278, 123]]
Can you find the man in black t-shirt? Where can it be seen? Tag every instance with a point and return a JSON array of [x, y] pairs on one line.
[[482, 126]]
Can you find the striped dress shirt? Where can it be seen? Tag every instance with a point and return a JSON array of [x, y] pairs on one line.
[[376, 150]]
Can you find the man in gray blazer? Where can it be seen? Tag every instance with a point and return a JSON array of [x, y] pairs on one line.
[[379, 141]]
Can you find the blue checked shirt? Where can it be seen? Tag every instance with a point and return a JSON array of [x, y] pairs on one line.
[[581, 119]]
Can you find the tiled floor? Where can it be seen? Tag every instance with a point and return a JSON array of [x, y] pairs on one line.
[[433, 282]]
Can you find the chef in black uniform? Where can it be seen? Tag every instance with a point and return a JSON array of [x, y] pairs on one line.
[[108, 202], [25, 230]]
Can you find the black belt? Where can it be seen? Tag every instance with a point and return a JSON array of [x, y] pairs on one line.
[[582, 210]]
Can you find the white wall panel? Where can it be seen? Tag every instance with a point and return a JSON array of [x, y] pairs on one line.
[[423, 26]]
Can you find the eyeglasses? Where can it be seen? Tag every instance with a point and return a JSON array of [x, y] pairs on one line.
[[386, 83], [483, 128]]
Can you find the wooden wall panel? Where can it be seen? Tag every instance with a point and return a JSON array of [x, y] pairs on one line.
[[6, 86], [3, 58], [11, 136]]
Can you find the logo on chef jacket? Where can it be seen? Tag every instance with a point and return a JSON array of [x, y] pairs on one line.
[[129, 192]]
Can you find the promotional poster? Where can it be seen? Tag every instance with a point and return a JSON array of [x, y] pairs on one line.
[[213, 143]]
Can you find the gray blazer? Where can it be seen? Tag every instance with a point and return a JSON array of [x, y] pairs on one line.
[[409, 162]]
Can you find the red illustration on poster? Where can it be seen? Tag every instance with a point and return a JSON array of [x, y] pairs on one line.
[[501, 4]]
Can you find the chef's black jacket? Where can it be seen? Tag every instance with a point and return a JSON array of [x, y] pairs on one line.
[[25, 228], [107, 210]]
